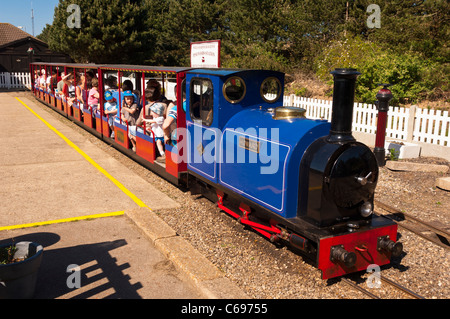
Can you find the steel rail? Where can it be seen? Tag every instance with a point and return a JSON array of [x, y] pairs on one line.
[[408, 217], [394, 210], [402, 288], [364, 291], [386, 280]]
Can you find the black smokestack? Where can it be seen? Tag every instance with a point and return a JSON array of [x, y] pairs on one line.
[[343, 99]]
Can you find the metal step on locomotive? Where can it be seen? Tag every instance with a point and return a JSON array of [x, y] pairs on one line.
[[306, 183]]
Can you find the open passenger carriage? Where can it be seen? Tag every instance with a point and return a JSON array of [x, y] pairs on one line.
[[96, 121]]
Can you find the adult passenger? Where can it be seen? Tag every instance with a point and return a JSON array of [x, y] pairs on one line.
[[60, 85]]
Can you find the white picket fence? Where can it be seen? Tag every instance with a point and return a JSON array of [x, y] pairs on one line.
[[407, 124], [18, 80]]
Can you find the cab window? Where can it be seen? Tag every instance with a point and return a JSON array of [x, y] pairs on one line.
[[271, 89], [201, 100], [234, 89]]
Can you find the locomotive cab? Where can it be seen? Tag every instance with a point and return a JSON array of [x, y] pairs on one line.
[[215, 96]]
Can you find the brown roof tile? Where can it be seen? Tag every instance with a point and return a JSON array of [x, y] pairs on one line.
[[10, 33]]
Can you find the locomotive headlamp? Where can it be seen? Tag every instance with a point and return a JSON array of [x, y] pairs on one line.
[[366, 209]]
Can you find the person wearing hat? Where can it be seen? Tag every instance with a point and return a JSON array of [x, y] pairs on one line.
[[110, 108], [129, 110]]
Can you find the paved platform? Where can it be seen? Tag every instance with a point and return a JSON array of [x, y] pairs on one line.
[[97, 214]]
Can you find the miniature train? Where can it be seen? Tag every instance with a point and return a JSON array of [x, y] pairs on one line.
[[305, 183]]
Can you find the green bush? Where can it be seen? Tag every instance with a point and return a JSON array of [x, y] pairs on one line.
[[411, 76]]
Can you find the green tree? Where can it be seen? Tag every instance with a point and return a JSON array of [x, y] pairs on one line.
[[254, 33], [45, 34], [112, 31], [177, 23], [406, 25], [407, 72]]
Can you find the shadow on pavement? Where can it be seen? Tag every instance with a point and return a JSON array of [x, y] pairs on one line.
[[98, 273]]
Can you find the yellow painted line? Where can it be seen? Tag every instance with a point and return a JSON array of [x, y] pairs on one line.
[[90, 160], [65, 220]]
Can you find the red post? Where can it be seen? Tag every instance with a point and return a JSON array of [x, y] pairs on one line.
[[383, 98]]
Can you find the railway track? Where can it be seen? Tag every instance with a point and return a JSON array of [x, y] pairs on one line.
[[387, 281], [436, 235]]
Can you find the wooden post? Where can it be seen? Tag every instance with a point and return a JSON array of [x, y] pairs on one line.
[[411, 121]]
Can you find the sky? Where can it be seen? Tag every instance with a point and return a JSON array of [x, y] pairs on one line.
[[18, 13]]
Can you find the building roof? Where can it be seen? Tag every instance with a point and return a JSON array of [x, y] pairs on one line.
[[11, 34]]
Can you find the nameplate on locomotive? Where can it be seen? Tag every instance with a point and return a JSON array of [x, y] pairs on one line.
[[248, 144]]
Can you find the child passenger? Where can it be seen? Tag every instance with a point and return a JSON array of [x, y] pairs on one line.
[[130, 114], [93, 97], [157, 112], [129, 110], [110, 110]]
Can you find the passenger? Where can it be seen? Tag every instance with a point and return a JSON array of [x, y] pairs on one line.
[[37, 77], [80, 92], [170, 123], [152, 95], [127, 85], [111, 108], [130, 114], [42, 80], [60, 85], [152, 83], [48, 79], [69, 89], [90, 75], [111, 83], [157, 112], [94, 96], [51, 81]]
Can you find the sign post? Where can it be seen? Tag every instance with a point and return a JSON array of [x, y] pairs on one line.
[[205, 54]]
